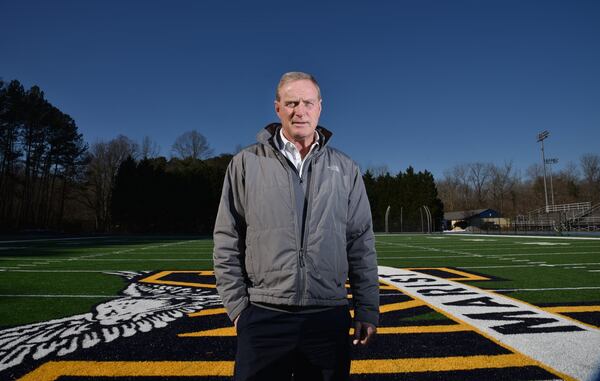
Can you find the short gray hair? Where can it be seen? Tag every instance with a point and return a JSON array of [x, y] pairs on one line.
[[296, 76]]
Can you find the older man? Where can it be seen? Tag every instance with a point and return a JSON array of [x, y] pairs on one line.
[[293, 225]]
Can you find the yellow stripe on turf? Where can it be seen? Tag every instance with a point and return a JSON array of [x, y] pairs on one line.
[[227, 331], [230, 331], [52, 370], [439, 364], [423, 329], [567, 309], [212, 311], [400, 306]]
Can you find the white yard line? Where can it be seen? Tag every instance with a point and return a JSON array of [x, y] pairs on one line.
[[426, 248], [521, 236], [545, 289], [148, 259], [537, 254], [424, 257], [94, 256], [530, 265], [53, 239], [56, 296], [60, 271]]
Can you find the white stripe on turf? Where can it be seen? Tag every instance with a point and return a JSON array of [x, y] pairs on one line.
[[560, 343]]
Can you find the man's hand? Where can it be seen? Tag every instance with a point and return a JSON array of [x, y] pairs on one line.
[[364, 333]]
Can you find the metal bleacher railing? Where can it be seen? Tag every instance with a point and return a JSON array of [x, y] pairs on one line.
[[573, 216]]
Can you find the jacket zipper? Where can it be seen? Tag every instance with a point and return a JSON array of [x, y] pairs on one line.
[[299, 241], [309, 195], [304, 233]]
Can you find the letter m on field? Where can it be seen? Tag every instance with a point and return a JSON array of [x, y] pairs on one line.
[[523, 324]]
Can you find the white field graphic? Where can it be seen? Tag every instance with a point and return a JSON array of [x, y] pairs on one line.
[[567, 346]]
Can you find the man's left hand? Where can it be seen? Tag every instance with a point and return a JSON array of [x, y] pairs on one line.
[[364, 333]]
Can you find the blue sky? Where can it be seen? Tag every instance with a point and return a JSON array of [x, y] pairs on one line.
[[424, 83]]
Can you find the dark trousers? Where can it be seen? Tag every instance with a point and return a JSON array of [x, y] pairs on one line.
[[280, 346]]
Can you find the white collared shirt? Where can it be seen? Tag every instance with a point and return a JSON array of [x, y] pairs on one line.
[[289, 150]]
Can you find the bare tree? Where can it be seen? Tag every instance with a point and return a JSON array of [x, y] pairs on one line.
[[457, 180], [191, 144], [105, 159], [479, 175], [567, 185], [149, 148], [501, 183], [590, 166]]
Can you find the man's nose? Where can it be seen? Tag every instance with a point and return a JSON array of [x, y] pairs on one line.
[[300, 109]]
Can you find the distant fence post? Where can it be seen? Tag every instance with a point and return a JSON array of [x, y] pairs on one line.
[[387, 215]]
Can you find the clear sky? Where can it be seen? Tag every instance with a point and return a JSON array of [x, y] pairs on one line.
[[424, 83]]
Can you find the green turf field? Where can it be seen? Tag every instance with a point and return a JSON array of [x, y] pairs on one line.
[[45, 279], [146, 308]]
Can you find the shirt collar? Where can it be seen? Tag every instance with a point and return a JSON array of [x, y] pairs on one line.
[[284, 144]]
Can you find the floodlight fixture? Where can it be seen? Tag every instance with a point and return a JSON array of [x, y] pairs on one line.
[[543, 135]]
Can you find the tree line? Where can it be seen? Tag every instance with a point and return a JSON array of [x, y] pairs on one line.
[[41, 156], [51, 179], [512, 192], [406, 194]]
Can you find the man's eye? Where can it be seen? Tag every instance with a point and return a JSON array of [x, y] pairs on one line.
[[309, 104], [291, 104]]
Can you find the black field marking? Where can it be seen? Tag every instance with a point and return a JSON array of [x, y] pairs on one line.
[[572, 304], [398, 318], [191, 378], [184, 278], [591, 318], [509, 374], [425, 345]]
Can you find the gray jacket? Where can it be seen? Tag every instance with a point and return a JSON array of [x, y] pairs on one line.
[[261, 253]]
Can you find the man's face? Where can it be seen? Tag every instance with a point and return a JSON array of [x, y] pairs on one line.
[[298, 108]]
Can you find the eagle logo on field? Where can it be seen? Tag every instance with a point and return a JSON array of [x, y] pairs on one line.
[[141, 308]]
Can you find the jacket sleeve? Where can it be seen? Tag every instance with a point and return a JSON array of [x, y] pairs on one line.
[[362, 258], [230, 242]]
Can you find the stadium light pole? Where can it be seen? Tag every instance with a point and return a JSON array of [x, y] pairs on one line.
[[551, 161], [541, 136]]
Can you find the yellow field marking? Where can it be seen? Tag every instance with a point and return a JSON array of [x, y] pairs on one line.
[[156, 279], [212, 311], [52, 370], [227, 331], [461, 275], [230, 331], [422, 329], [400, 306], [381, 287], [439, 364], [567, 309]]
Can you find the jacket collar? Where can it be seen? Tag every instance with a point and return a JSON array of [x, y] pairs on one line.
[[267, 135]]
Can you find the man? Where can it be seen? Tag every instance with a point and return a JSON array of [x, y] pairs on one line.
[[294, 223]]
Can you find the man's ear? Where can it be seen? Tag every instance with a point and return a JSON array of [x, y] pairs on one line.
[[276, 107]]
